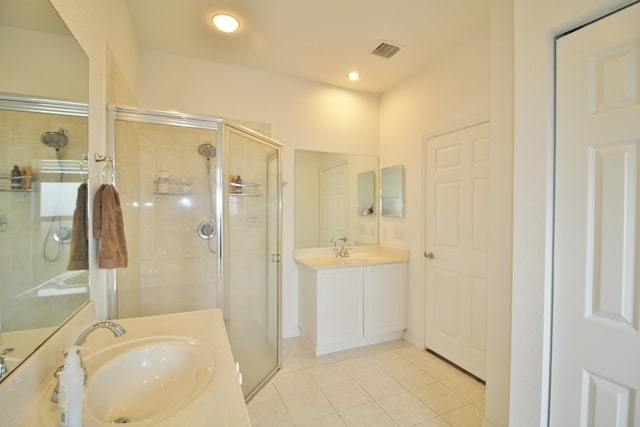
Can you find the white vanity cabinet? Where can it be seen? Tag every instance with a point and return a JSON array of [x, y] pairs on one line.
[[351, 306]]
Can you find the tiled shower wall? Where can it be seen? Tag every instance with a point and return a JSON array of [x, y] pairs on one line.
[[170, 268]]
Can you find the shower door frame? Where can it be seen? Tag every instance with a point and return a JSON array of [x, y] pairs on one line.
[[164, 118], [222, 193], [220, 126]]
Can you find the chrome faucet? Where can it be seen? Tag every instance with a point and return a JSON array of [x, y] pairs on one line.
[[117, 331], [3, 364], [343, 251]]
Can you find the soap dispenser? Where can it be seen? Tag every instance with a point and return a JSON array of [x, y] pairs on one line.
[[71, 389]]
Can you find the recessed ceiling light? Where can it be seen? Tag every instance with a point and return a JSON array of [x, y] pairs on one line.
[[353, 76], [225, 23]]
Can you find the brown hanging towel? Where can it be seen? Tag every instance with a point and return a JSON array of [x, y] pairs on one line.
[[79, 251], [108, 228]]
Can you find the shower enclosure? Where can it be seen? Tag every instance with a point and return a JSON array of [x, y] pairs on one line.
[[201, 205]]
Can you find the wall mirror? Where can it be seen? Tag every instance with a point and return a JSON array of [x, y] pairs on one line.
[[366, 193], [43, 136], [392, 191], [326, 199]]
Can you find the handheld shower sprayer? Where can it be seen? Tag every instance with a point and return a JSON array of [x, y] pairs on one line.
[[207, 150]]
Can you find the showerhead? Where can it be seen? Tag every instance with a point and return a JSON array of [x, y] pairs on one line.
[[55, 139], [207, 150]]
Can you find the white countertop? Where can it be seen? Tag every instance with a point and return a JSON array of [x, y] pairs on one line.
[[221, 403], [323, 258]]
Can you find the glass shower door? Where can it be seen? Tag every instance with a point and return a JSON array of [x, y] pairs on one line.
[[251, 248]]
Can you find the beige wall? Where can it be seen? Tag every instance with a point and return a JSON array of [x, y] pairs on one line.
[[26, 63], [535, 25], [449, 92]]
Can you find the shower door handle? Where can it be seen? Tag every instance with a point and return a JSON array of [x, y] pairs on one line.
[[275, 258]]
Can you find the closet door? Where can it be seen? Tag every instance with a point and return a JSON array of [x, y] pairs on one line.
[[595, 379]]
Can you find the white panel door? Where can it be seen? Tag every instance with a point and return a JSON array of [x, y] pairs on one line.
[[457, 185], [595, 367]]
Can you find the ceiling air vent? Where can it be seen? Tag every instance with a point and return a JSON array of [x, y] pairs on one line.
[[385, 50]]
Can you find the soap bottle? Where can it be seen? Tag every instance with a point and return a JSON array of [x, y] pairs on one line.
[[15, 178], [71, 389]]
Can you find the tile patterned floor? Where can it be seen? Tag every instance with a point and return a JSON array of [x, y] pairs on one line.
[[391, 384]]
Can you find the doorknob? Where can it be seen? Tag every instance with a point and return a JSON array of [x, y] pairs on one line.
[[429, 255]]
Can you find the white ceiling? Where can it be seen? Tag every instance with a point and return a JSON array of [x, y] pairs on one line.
[[321, 40]]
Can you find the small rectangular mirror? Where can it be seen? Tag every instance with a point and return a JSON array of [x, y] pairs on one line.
[[392, 191], [366, 193]]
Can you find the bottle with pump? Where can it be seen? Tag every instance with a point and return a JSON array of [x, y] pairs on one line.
[[71, 389]]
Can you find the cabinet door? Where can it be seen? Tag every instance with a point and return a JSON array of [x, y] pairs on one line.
[[384, 299], [340, 305]]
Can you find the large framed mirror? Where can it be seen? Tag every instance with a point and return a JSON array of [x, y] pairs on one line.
[[327, 198], [43, 137]]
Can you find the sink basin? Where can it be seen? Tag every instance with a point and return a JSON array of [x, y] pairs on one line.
[[142, 381]]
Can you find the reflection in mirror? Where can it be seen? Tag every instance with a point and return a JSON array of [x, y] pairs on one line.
[[326, 186], [392, 191], [366, 193], [41, 143]]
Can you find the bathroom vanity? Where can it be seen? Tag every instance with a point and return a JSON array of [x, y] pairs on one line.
[[192, 348], [353, 301]]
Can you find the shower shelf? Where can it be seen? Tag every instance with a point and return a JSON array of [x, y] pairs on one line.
[[7, 182], [176, 187], [244, 190]]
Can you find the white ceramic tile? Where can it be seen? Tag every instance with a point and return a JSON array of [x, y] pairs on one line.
[[465, 386], [380, 385], [406, 409], [307, 405], [434, 422], [414, 354], [346, 394], [468, 416], [331, 420], [410, 376], [361, 366], [367, 415], [439, 398], [328, 374], [439, 369], [268, 392], [294, 382], [389, 360]]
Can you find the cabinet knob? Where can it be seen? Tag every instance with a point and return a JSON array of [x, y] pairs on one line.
[[429, 255]]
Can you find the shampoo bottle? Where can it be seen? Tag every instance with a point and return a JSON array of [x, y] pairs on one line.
[[163, 181], [71, 389]]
